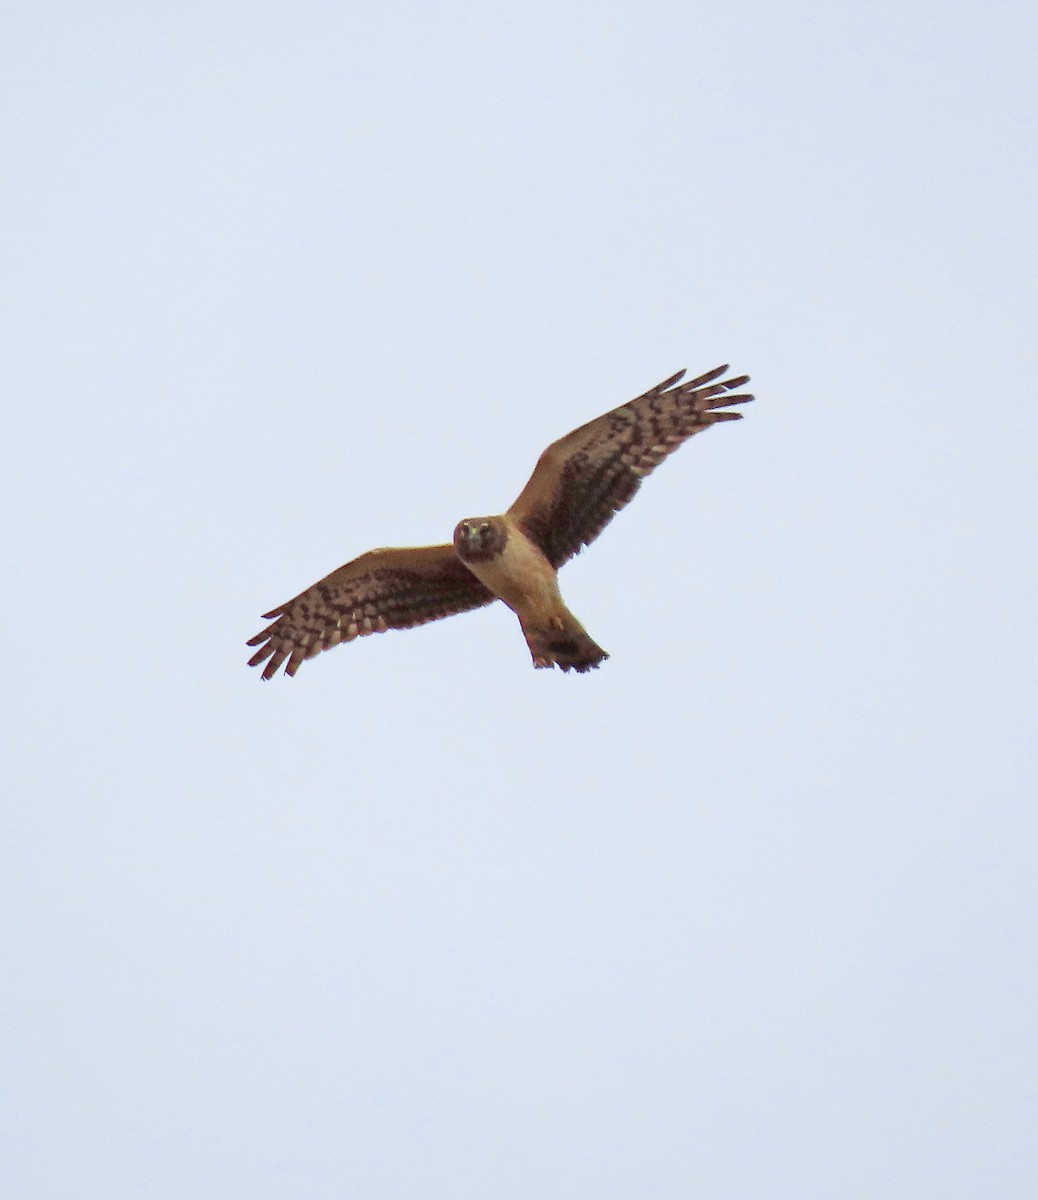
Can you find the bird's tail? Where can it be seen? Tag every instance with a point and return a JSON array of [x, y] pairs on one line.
[[563, 642]]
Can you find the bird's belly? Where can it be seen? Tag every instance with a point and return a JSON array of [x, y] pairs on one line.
[[520, 575]]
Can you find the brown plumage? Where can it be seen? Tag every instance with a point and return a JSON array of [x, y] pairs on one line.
[[579, 484]]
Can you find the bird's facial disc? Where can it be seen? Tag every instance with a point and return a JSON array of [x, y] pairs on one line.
[[477, 537]]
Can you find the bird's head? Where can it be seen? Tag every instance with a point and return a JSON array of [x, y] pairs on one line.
[[479, 538]]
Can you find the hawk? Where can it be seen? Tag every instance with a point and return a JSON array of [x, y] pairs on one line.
[[579, 484]]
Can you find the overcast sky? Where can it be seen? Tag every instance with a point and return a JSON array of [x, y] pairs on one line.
[[748, 913]]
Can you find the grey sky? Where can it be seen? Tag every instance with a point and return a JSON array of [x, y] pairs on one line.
[[751, 911]]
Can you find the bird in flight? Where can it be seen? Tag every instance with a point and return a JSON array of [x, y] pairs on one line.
[[579, 484]]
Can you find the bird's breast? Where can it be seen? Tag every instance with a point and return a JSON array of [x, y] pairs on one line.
[[520, 574]]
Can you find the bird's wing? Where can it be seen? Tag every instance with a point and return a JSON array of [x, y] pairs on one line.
[[586, 477], [383, 589]]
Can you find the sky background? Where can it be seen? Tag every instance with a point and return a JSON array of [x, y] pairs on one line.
[[748, 913]]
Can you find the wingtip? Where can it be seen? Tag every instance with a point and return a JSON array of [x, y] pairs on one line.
[[676, 378], [706, 377]]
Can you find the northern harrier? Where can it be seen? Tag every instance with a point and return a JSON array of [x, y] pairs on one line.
[[579, 483]]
